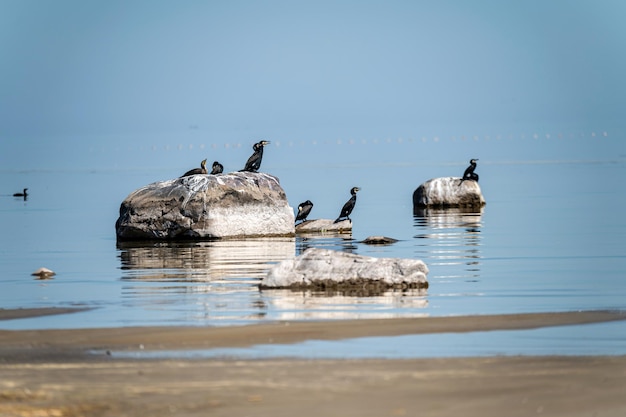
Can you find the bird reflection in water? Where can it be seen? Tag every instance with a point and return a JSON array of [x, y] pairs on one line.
[[334, 241]]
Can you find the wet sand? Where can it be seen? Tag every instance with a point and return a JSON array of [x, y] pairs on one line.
[[48, 373]]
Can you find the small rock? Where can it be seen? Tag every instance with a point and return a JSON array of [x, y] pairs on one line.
[[323, 226], [43, 273], [378, 240]]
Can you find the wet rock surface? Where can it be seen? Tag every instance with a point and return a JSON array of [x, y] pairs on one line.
[[239, 204], [324, 269], [448, 192]]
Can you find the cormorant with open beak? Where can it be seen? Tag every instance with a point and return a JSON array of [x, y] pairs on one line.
[[349, 206], [201, 170], [303, 210], [254, 162]]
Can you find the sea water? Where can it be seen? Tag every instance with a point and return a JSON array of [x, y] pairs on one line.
[[551, 237]]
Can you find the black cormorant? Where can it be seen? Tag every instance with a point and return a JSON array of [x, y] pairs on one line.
[[254, 162], [303, 210], [217, 168], [349, 206], [469, 173], [22, 194], [201, 170]]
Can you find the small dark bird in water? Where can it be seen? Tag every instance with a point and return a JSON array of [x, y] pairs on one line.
[[469, 173], [22, 194], [303, 210], [349, 206], [254, 162], [217, 168], [201, 170]]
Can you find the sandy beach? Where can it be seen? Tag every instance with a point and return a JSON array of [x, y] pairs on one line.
[[50, 373]]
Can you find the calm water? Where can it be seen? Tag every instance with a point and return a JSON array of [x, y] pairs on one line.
[[551, 238]]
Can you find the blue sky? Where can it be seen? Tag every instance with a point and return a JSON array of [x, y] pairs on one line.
[[293, 69]]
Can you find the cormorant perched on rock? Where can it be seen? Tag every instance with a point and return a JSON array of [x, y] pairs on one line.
[[217, 168], [201, 170], [303, 210], [469, 173], [22, 194], [254, 162], [349, 206]]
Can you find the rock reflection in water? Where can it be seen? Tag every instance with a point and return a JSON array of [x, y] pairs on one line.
[[203, 261], [311, 305], [217, 283], [195, 282], [330, 240], [449, 241]]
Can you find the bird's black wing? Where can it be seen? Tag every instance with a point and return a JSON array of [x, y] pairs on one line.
[[348, 207], [193, 172], [303, 212], [254, 162]]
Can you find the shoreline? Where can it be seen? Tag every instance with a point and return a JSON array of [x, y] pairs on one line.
[[49, 373], [179, 338]]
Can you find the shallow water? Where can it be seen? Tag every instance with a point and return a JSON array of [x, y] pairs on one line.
[[583, 340], [550, 239]]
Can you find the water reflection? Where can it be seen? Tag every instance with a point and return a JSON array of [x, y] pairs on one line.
[[200, 281], [307, 305], [203, 261], [217, 282], [449, 240], [335, 241]]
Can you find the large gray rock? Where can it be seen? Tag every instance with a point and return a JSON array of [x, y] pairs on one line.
[[323, 269], [448, 192], [239, 204]]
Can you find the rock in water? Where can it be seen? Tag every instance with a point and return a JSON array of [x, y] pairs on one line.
[[44, 273], [324, 226], [323, 269], [239, 204], [379, 240], [448, 192]]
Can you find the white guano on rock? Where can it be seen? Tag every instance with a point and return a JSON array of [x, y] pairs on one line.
[[239, 204], [448, 192]]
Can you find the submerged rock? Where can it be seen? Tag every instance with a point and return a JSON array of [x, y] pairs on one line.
[[44, 273], [323, 269], [448, 192], [239, 204], [379, 240], [323, 226]]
